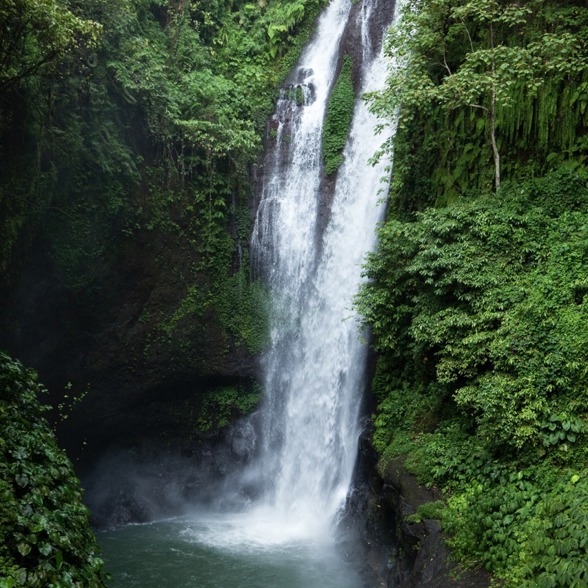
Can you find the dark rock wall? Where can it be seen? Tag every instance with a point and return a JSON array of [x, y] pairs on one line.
[[141, 388], [394, 552]]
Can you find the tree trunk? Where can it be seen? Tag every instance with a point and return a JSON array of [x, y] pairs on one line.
[[493, 117], [493, 139]]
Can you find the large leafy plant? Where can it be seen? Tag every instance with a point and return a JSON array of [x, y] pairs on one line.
[[45, 537]]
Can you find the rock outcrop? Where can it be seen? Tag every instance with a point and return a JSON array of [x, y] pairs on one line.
[[394, 551]]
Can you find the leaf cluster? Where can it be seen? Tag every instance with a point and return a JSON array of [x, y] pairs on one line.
[[36, 34], [529, 530], [45, 537], [205, 73]]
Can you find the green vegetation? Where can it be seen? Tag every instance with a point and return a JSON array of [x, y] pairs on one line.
[[494, 83], [45, 537], [479, 311], [138, 120], [223, 405], [36, 34], [338, 118], [484, 50], [240, 304], [487, 296], [477, 296]]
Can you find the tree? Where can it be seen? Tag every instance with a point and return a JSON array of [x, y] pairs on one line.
[[36, 33], [460, 53]]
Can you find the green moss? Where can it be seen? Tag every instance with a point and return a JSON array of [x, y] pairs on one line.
[[338, 118], [222, 406], [215, 289], [45, 537], [429, 510]]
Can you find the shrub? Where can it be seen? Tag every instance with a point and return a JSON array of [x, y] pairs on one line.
[[45, 537]]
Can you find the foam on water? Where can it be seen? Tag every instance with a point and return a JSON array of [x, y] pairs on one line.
[[262, 529]]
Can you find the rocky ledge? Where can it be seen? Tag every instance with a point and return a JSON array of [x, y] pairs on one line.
[[397, 551]]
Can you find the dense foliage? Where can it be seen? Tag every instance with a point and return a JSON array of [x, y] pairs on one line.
[[36, 34], [45, 537], [497, 82], [480, 317], [139, 120], [477, 296], [487, 295]]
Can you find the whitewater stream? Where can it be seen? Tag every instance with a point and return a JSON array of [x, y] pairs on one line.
[[309, 248]]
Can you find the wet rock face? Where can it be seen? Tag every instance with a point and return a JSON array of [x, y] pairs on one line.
[[143, 482], [152, 473], [380, 19], [105, 343], [397, 553]]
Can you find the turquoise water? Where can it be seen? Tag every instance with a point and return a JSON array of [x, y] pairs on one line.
[[218, 553]]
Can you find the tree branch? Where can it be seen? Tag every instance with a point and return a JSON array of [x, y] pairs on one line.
[[28, 72]]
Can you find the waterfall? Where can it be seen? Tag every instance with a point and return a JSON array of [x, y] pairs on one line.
[[272, 524], [315, 367]]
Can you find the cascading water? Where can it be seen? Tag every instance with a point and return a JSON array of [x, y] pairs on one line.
[[314, 371]]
